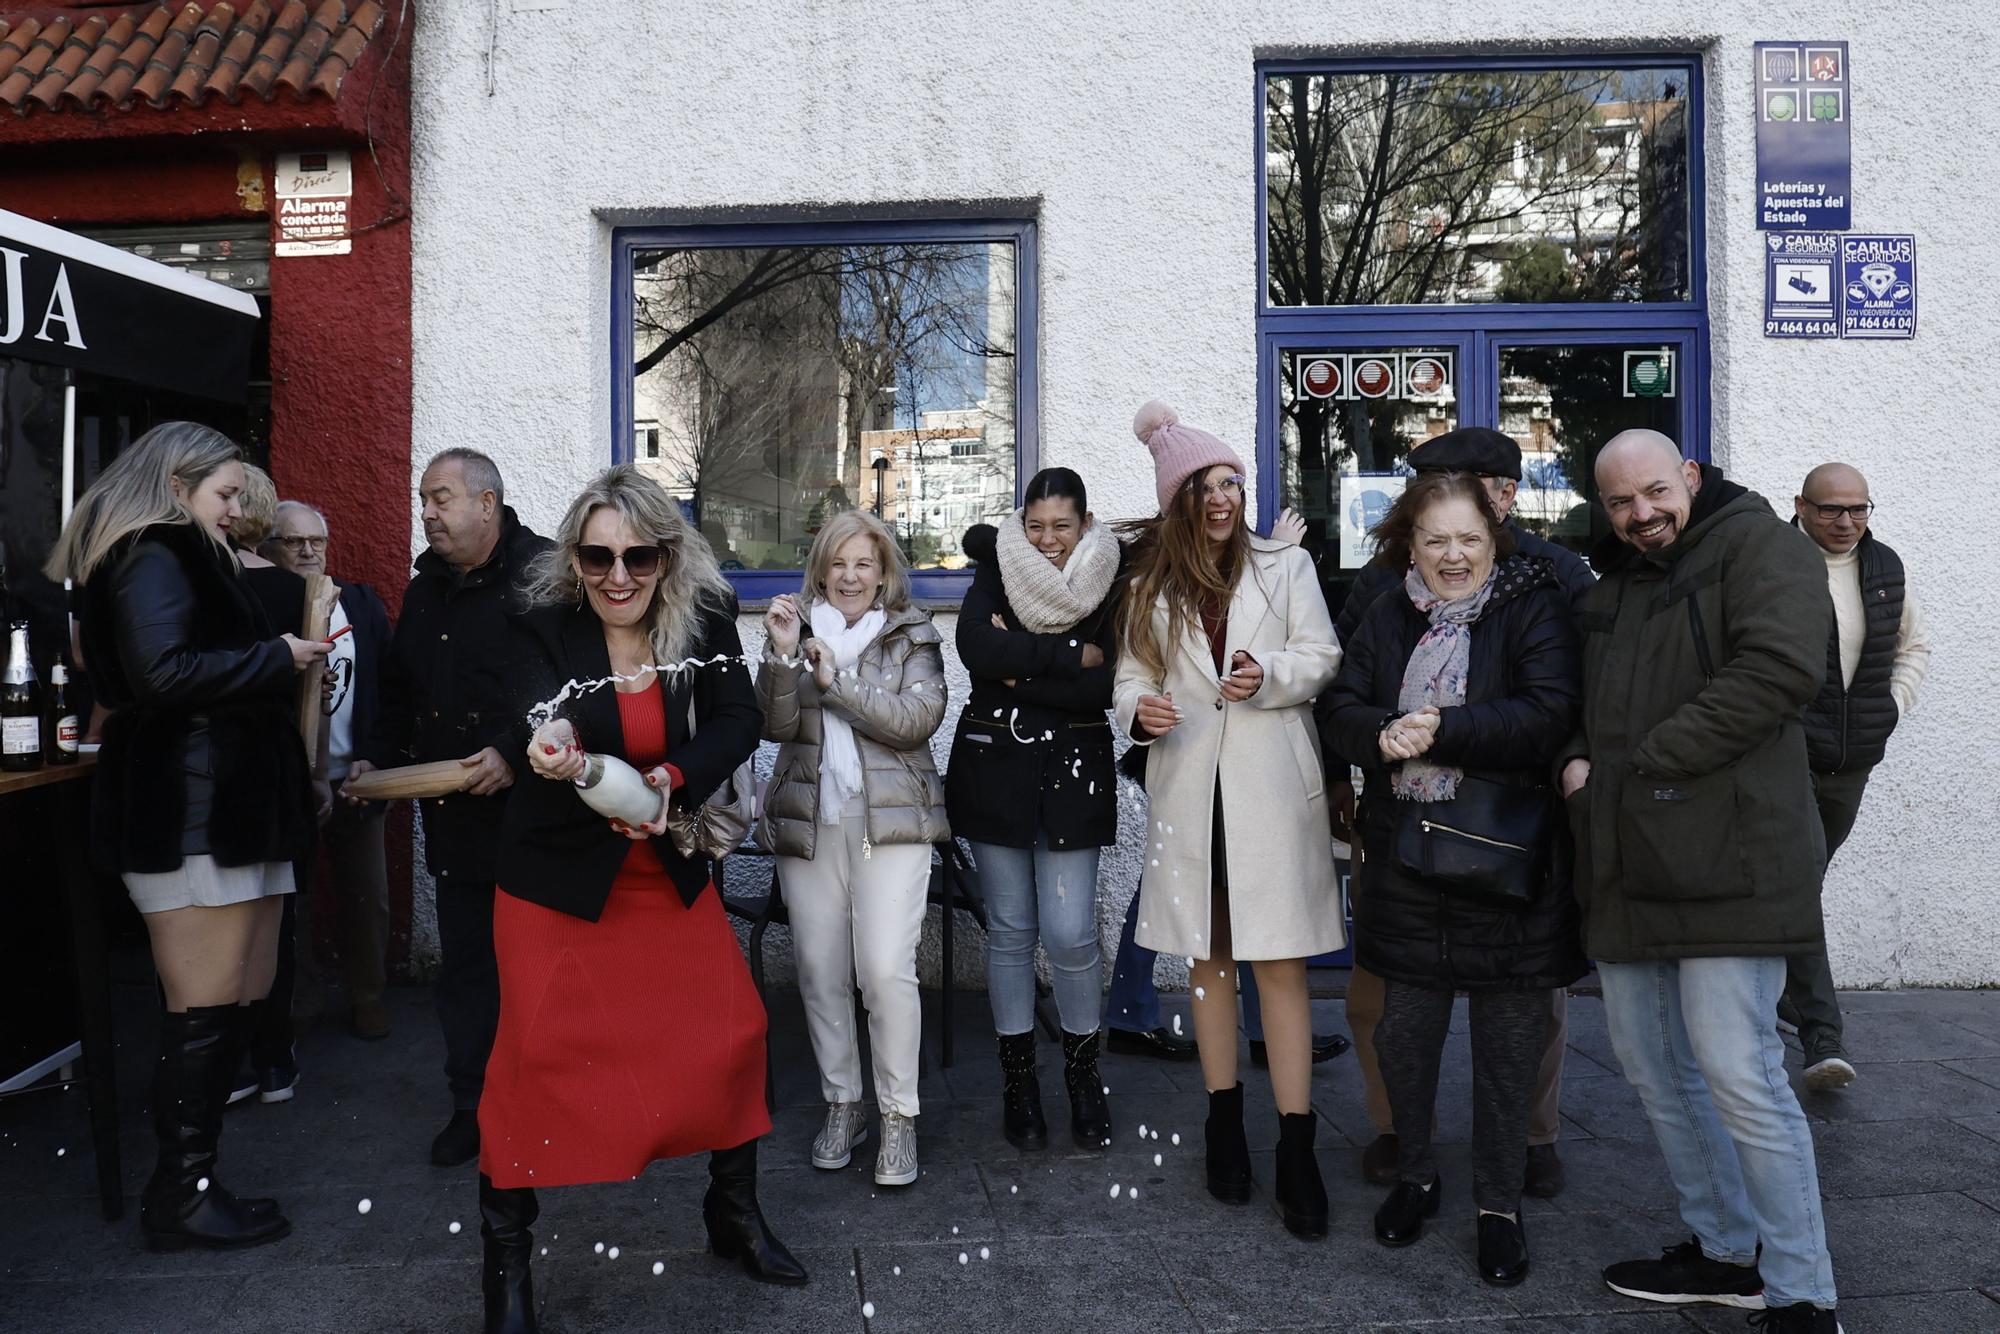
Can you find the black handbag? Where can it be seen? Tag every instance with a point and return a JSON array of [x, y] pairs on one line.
[[1485, 845]]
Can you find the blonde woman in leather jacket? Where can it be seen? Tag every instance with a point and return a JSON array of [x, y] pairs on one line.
[[852, 686]]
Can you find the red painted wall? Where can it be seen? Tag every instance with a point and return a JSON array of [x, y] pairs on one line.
[[340, 324]]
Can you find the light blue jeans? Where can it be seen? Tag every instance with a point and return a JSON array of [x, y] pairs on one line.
[[1037, 892], [1696, 1039]]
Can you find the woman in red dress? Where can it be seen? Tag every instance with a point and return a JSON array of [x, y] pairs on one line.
[[629, 1027]]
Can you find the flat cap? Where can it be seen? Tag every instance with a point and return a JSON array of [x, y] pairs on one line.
[[1478, 449]]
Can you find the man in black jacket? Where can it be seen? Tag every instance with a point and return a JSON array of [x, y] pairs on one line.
[[1496, 460], [1875, 660], [353, 836], [445, 697]]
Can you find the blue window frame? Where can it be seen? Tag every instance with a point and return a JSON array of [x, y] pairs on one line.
[[944, 442], [1480, 334]]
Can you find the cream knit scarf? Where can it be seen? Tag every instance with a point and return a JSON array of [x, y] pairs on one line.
[[1046, 600]]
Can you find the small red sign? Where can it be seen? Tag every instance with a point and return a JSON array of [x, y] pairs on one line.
[[1322, 377], [1374, 377], [1425, 377]]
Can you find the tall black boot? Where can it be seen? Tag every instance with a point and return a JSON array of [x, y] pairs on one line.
[[736, 1227], [242, 1030], [1021, 1093], [183, 1205], [1089, 1114], [506, 1280], [1228, 1149], [1300, 1190]]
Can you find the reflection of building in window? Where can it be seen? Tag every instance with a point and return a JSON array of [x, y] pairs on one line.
[[776, 375], [645, 440]]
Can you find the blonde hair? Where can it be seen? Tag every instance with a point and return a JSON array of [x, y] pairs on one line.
[[690, 580], [259, 502], [838, 529], [137, 492]]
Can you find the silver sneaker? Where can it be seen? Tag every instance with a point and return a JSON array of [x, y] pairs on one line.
[[846, 1126], [896, 1161]]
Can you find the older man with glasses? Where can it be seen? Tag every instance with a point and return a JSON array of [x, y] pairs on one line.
[[1876, 658], [353, 836]]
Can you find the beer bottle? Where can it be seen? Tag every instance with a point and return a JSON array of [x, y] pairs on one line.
[[65, 731], [20, 707]]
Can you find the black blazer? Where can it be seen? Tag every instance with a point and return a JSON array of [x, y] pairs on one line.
[[559, 853], [999, 787], [202, 751]]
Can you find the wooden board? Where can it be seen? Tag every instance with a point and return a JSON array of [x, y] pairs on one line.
[[437, 779], [321, 595]]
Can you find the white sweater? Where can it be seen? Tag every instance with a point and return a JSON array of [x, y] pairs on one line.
[[1913, 646]]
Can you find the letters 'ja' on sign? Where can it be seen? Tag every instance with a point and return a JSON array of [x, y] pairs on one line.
[[1804, 147]]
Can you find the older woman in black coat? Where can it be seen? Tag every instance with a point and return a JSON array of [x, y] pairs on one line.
[[1455, 695]]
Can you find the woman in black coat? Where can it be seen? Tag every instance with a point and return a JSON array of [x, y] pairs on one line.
[[1455, 695], [202, 796], [629, 1029], [1030, 784]]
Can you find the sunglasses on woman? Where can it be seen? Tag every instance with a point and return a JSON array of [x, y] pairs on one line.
[[639, 562]]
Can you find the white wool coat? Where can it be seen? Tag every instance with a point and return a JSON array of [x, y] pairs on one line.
[[1283, 900]]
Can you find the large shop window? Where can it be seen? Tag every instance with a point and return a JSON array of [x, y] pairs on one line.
[[1507, 243], [772, 376]]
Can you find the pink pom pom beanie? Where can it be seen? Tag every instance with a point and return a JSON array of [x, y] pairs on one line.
[[1179, 450]]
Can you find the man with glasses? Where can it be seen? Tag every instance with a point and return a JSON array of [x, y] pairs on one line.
[[353, 836], [1875, 660], [445, 696]]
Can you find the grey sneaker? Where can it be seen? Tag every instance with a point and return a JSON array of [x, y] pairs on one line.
[[846, 1126], [1828, 1069], [896, 1161]]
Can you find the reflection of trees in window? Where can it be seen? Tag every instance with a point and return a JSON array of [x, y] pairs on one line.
[[768, 367], [1417, 188]]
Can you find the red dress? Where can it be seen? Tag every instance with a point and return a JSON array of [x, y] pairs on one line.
[[634, 1037]]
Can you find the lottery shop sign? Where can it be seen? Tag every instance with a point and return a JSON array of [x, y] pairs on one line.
[[1805, 148]]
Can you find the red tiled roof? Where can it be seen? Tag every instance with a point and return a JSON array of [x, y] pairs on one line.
[[168, 57]]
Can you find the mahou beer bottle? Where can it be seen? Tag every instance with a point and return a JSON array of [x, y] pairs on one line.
[[20, 707], [65, 731]]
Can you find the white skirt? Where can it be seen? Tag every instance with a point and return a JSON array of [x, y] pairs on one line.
[[199, 883]]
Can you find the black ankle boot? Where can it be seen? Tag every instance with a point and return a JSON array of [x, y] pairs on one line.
[[736, 1227], [1089, 1113], [1400, 1220], [1503, 1250], [506, 1281], [1228, 1150], [183, 1205], [1297, 1184], [1021, 1093]]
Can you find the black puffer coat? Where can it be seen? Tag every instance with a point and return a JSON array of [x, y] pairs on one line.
[[1523, 691], [1034, 757], [202, 750]]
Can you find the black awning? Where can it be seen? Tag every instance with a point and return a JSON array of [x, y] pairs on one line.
[[70, 301]]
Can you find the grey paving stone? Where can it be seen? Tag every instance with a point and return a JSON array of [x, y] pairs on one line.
[[1569, 1252], [1977, 1010], [1900, 1091], [1912, 1243], [417, 1299], [1985, 1069], [1987, 1125], [1604, 1105], [1963, 1312], [1902, 1158], [1645, 1322], [1912, 1035], [119, 1302], [589, 1294], [1020, 1285]]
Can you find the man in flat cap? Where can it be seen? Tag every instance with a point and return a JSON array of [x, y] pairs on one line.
[[1496, 460]]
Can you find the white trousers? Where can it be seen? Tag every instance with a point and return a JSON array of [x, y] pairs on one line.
[[855, 917]]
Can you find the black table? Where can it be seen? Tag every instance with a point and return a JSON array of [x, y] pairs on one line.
[[56, 800]]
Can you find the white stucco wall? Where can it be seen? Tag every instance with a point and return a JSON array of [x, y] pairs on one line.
[[1125, 129]]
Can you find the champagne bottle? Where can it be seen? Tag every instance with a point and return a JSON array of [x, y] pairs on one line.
[[20, 707], [65, 730], [609, 786]]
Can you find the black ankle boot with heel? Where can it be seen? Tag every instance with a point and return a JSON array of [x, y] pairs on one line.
[[736, 1227], [182, 1204], [1021, 1093], [506, 1280], [1228, 1149], [1300, 1190], [1089, 1113]]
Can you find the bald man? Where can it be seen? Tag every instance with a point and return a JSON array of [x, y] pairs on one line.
[[1699, 858], [1876, 657]]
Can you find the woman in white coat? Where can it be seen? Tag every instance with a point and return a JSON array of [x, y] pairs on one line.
[[1224, 641]]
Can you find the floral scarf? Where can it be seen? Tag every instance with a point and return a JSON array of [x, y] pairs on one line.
[[1435, 676]]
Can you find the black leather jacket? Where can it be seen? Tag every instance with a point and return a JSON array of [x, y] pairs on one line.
[[202, 750]]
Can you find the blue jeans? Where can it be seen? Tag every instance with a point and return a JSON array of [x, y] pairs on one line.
[[1134, 1003], [1034, 892], [1696, 1040]]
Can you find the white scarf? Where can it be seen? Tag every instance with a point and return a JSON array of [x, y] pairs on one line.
[[839, 758], [1048, 600]]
